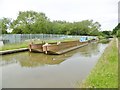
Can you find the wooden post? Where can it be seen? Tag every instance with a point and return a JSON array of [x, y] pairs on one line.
[[46, 50], [30, 46]]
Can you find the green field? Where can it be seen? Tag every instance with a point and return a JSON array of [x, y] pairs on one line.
[[105, 73]]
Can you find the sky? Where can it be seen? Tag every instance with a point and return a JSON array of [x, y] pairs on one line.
[[103, 11]]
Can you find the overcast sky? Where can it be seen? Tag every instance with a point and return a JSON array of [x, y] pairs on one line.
[[103, 11]]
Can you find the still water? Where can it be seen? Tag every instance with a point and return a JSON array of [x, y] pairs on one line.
[[36, 70]]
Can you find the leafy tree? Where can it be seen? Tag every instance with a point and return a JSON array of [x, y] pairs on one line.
[[86, 27], [118, 33], [5, 24], [116, 30], [107, 32], [30, 22]]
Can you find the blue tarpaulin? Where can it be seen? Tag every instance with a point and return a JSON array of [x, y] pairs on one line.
[[83, 39]]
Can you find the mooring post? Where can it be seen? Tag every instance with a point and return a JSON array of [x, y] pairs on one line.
[[30, 46], [46, 50]]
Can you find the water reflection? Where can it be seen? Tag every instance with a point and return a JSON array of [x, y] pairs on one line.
[[32, 59], [27, 59], [40, 60], [91, 49]]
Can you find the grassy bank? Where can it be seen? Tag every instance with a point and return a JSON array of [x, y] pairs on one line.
[[26, 43], [14, 46], [105, 73], [104, 41], [119, 59]]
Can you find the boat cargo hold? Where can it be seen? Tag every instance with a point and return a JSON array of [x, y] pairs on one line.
[[59, 47]]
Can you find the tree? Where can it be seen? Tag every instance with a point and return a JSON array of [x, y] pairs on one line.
[[115, 30], [35, 23], [30, 22], [118, 33], [107, 34], [86, 27], [5, 24]]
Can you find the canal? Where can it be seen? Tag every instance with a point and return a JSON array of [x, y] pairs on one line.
[[36, 70]]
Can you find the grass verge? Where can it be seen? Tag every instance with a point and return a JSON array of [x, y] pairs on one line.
[[104, 41], [119, 61], [105, 73], [14, 46]]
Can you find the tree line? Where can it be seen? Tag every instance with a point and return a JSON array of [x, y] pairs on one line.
[[116, 30], [31, 22]]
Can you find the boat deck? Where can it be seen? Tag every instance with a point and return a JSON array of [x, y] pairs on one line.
[[70, 49], [57, 49]]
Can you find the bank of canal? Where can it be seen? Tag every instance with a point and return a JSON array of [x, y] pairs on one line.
[[35, 70], [105, 73]]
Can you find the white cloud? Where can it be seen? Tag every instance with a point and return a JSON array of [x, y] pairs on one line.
[[103, 11]]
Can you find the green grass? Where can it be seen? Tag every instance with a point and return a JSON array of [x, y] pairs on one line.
[[104, 41], [26, 43], [14, 46], [119, 59], [105, 73]]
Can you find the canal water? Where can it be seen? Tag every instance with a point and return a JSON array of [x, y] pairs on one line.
[[36, 70]]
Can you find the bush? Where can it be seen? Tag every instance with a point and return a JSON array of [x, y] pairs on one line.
[[118, 33]]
